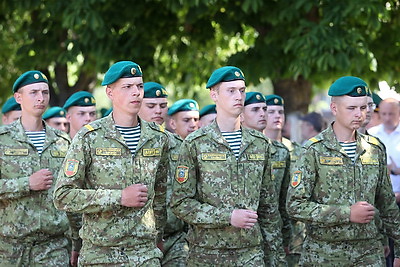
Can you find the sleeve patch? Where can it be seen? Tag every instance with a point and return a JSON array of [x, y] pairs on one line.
[[182, 174], [71, 167], [296, 179]]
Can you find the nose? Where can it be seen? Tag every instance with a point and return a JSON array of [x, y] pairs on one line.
[[135, 90], [157, 109]]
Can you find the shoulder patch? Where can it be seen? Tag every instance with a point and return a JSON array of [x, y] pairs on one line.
[[296, 179], [89, 127], [71, 167], [313, 139], [182, 174]]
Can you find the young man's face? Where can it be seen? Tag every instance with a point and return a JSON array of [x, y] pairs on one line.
[[11, 116], [33, 98], [370, 110], [80, 116], [59, 123], [275, 118], [229, 97], [185, 122], [207, 119], [349, 111], [126, 95], [254, 116], [154, 109]]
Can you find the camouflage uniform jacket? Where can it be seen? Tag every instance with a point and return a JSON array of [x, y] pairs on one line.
[[27, 215], [280, 168], [326, 183], [174, 225], [210, 183], [98, 166]]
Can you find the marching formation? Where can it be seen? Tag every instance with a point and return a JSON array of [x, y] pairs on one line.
[[152, 185]]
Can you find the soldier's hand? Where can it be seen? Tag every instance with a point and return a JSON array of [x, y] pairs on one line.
[[74, 258], [243, 218], [134, 196], [361, 212], [41, 180]]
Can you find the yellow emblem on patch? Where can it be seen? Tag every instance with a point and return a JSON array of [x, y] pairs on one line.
[[213, 156], [44, 77], [369, 161], [16, 152], [331, 160], [276, 100], [108, 151], [71, 167], [296, 179], [174, 157], [151, 152], [182, 174]]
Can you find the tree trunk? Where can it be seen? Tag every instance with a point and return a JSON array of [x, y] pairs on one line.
[[296, 94]]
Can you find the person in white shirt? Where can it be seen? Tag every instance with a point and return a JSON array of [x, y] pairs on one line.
[[389, 133]]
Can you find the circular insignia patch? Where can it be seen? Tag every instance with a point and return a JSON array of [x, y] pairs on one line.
[[258, 97], [276, 101], [86, 100], [359, 90], [133, 71], [158, 93], [36, 76], [191, 105], [237, 74], [61, 112]]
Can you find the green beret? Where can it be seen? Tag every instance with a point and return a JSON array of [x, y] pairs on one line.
[[254, 97], [54, 112], [81, 99], [29, 77], [10, 105], [225, 74], [377, 100], [350, 86], [121, 69], [154, 90], [209, 109], [274, 100], [108, 112], [183, 105]]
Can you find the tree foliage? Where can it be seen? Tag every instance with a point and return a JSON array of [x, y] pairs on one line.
[[296, 43]]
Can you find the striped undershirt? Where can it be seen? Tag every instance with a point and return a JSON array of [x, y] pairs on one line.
[[131, 136], [37, 139], [234, 140], [350, 149]]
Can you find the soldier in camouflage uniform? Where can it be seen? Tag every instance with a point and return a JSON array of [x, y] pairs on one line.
[[32, 231], [114, 174], [11, 111], [223, 187], [340, 186], [254, 117], [273, 130], [154, 108]]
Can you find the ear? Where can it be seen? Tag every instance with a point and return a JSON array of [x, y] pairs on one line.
[[18, 98], [213, 94], [241, 117], [333, 107], [172, 123], [109, 92]]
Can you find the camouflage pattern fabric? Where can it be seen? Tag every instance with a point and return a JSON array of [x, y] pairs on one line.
[[326, 183], [28, 217], [97, 167], [280, 169], [175, 245], [203, 257], [210, 183]]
